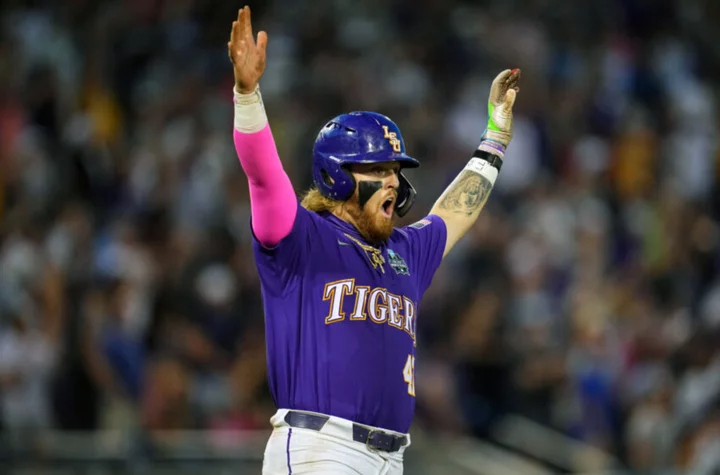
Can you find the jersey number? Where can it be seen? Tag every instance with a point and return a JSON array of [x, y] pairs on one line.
[[409, 374]]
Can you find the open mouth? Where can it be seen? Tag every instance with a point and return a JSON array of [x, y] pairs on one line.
[[387, 207]]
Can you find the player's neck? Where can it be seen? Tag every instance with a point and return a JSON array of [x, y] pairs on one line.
[[361, 228], [341, 213]]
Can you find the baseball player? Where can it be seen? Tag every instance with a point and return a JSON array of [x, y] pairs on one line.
[[341, 286]]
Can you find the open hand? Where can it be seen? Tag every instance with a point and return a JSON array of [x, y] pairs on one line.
[[500, 103], [247, 55]]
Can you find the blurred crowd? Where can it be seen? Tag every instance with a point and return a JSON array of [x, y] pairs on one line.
[[586, 298]]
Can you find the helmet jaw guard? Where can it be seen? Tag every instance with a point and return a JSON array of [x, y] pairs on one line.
[[359, 137], [406, 196]]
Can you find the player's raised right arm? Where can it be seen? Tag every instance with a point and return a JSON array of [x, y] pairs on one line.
[[272, 199]]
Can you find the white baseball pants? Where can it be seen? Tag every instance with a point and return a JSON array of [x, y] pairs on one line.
[[332, 450]]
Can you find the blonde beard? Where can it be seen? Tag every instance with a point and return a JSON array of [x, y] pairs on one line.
[[372, 226]]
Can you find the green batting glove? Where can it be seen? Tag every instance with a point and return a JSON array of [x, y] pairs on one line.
[[499, 129]]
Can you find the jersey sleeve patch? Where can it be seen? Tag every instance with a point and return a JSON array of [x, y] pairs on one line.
[[421, 224]]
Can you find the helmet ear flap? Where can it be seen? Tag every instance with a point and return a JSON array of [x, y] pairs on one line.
[[406, 196], [349, 189], [334, 181], [326, 178]]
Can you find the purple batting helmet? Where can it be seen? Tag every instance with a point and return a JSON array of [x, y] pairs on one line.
[[359, 137]]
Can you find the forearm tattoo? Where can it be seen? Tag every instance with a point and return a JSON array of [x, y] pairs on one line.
[[467, 194]]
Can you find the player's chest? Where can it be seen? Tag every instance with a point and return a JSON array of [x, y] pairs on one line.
[[385, 267], [354, 282]]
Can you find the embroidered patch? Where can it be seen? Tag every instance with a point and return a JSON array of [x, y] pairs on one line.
[[421, 224], [397, 263]]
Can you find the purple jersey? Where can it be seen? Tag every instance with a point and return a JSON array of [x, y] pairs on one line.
[[341, 315]]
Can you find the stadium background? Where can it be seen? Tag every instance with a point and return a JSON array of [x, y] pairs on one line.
[[575, 330]]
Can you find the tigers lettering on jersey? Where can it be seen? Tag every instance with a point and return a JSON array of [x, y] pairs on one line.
[[377, 304]]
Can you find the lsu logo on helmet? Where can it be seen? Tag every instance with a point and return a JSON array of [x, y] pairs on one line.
[[392, 138]]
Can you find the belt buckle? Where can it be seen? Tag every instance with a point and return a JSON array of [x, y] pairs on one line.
[[369, 438]]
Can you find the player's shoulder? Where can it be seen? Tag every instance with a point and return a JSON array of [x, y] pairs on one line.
[[324, 222], [426, 223], [318, 217]]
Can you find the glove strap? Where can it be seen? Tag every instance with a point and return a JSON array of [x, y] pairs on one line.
[[494, 158]]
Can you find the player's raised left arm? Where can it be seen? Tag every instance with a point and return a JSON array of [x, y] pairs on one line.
[[461, 202]]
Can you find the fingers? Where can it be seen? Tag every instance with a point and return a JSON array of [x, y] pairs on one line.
[[510, 96], [231, 43], [247, 29], [246, 54], [241, 34], [242, 27], [234, 33], [513, 79], [242, 20], [508, 78], [502, 77], [512, 89], [235, 45], [262, 40]]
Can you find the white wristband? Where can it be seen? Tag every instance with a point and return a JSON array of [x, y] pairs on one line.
[[483, 168], [250, 116]]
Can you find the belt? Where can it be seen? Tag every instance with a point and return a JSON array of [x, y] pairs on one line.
[[373, 438]]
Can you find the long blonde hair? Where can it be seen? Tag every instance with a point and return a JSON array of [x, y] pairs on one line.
[[315, 201]]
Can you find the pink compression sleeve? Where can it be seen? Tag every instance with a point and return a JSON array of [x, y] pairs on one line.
[[272, 199]]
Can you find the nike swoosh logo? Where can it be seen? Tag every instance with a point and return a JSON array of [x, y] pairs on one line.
[[343, 243]]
